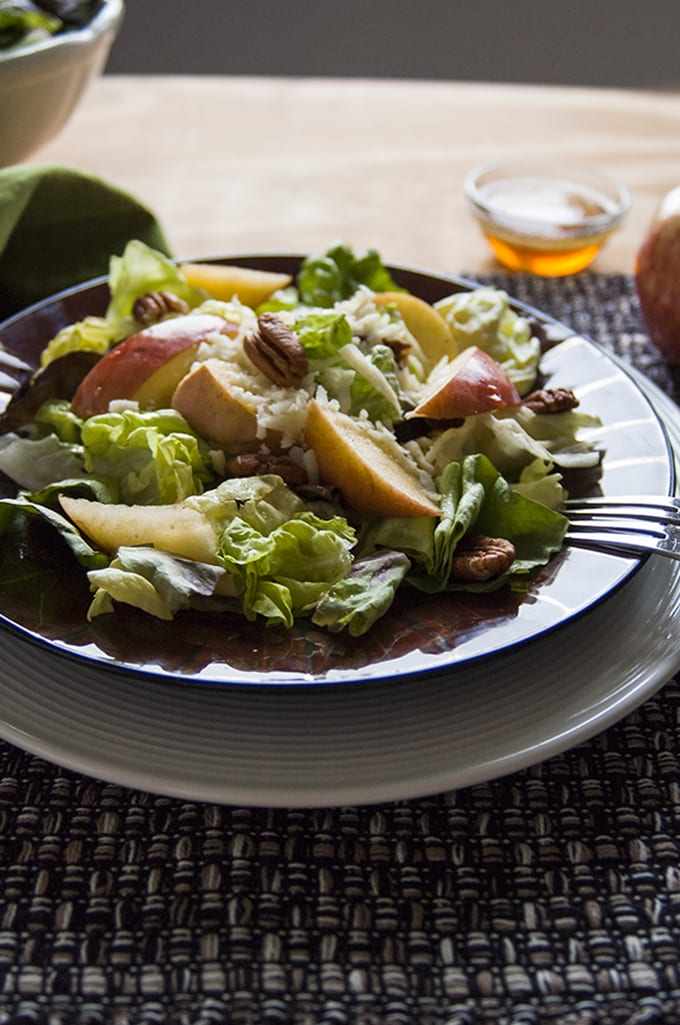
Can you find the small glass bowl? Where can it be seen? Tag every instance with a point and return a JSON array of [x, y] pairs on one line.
[[547, 219]]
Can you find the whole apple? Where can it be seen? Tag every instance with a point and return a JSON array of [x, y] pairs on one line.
[[657, 278]]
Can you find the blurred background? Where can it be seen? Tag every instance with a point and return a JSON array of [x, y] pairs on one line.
[[607, 43]]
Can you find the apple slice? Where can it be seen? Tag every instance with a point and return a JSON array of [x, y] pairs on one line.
[[471, 383], [371, 478], [147, 366], [177, 529], [223, 281], [427, 326], [210, 403]]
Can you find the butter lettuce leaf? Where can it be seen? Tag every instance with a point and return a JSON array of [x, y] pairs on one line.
[[93, 334], [56, 417], [325, 280], [364, 595], [476, 497], [153, 457], [156, 582], [375, 387], [358, 380], [33, 463], [22, 22], [522, 445], [140, 269], [262, 502], [283, 572], [13, 512]]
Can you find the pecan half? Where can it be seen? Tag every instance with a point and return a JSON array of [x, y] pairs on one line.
[[551, 400], [478, 557], [253, 464], [154, 306], [276, 351]]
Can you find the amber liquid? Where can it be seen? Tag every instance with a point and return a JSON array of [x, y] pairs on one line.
[[558, 242]]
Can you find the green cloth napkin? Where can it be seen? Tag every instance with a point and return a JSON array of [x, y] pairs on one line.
[[59, 226]]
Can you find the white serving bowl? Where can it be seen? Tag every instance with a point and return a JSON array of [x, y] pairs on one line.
[[41, 83]]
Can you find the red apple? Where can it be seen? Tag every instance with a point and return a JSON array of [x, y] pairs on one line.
[[471, 383], [657, 278], [147, 366]]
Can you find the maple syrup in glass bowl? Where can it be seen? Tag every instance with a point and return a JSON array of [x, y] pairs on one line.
[[546, 219]]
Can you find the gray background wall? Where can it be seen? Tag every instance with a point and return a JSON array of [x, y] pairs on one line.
[[617, 43]]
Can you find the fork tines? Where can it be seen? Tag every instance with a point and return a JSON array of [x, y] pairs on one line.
[[662, 508], [637, 524]]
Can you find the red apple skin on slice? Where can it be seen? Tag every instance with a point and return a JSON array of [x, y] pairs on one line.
[[472, 383], [148, 365], [369, 478]]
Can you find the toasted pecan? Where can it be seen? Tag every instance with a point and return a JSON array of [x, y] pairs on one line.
[[551, 400], [276, 351], [155, 306], [478, 557]]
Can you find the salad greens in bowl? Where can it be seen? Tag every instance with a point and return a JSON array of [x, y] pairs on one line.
[[50, 52], [290, 469]]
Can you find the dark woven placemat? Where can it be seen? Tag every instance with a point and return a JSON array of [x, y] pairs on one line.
[[550, 896]]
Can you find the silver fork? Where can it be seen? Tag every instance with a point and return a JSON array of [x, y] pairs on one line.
[[632, 524]]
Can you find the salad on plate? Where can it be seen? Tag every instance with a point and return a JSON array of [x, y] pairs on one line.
[[292, 448]]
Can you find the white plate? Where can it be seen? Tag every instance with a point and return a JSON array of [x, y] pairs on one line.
[[376, 742]]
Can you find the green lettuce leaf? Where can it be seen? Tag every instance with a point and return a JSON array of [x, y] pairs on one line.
[[13, 512], [284, 299], [139, 270], [33, 463], [77, 487], [153, 457], [536, 531], [22, 22], [325, 280], [357, 380], [539, 486], [475, 496], [356, 601], [322, 335], [516, 439], [56, 417], [283, 572], [375, 387], [94, 334], [156, 582], [412, 535], [262, 502], [504, 440], [560, 435]]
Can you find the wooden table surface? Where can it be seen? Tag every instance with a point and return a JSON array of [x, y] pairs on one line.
[[243, 165]]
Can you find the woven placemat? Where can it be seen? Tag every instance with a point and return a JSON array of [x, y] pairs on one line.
[[549, 897]]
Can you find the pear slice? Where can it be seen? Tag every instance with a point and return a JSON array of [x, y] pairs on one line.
[[224, 281], [371, 478], [427, 326], [215, 408], [176, 529]]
